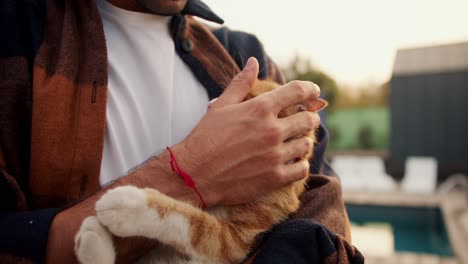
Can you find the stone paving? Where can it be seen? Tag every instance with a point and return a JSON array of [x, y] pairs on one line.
[[398, 198], [409, 258], [454, 207]]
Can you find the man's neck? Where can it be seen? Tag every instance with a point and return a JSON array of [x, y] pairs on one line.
[[130, 5]]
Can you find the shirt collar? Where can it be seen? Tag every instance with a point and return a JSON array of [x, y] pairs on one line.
[[200, 9]]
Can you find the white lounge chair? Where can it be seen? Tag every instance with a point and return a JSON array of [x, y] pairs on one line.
[[372, 169], [346, 168], [420, 175]]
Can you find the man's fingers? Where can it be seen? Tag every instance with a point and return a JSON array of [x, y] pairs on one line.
[[297, 148], [296, 171], [294, 92], [299, 124], [240, 85]]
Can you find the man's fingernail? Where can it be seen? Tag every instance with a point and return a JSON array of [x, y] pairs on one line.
[[250, 64]]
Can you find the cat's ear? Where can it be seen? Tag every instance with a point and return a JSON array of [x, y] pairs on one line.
[[316, 105]]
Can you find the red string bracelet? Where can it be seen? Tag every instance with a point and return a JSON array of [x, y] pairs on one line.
[[187, 179]]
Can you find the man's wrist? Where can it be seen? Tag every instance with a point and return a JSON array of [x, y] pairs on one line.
[[158, 174], [193, 163]]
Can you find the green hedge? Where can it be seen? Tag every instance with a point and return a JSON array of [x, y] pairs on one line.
[[364, 128]]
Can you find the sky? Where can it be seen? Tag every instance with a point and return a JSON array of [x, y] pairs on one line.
[[353, 41]]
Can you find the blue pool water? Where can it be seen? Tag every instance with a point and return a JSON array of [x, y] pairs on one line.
[[415, 229]]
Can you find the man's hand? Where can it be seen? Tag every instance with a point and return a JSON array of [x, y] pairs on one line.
[[238, 151]]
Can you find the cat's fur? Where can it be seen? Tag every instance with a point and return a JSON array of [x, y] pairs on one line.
[[218, 235]]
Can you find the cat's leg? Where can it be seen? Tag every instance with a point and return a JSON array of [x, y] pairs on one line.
[[129, 211], [93, 243]]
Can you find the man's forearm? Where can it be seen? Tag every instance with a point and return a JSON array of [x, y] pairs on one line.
[[156, 173]]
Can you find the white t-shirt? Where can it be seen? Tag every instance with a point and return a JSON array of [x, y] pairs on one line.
[[154, 100]]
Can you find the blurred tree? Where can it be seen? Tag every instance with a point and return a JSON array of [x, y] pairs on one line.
[[369, 95], [383, 94], [338, 97], [301, 69]]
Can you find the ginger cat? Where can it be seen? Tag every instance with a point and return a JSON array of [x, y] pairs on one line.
[[190, 235]]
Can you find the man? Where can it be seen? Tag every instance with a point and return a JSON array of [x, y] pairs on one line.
[[90, 94]]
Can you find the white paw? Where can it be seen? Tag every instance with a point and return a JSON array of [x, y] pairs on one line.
[[93, 243], [124, 211]]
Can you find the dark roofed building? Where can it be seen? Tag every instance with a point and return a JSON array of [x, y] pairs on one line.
[[429, 106]]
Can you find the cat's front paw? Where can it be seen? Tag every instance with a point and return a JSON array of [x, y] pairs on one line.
[[124, 211], [93, 243]]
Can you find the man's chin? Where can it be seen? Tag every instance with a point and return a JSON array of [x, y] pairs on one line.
[[163, 7]]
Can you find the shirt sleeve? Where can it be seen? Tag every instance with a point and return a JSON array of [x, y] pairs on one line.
[[25, 234]]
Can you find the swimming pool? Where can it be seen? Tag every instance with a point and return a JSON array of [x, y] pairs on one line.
[[415, 229]]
